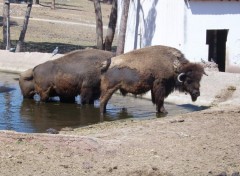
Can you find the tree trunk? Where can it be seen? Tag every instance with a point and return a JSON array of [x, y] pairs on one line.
[[99, 24], [108, 1], [53, 4], [36, 2], [111, 26], [6, 25], [123, 27], [24, 29]]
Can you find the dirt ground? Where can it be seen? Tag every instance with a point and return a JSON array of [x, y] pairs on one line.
[[70, 26], [202, 143]]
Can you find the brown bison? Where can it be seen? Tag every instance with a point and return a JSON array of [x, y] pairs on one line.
[[160, 69], [75, 73]]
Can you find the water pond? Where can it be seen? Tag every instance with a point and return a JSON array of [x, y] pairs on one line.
[[31, 116]]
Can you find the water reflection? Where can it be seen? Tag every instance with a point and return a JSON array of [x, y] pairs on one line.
[[35, 116], [7, 109], [8, 102], [57, 115]]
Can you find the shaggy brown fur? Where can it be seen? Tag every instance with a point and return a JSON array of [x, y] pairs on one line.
[[76, 73], [154, 68]]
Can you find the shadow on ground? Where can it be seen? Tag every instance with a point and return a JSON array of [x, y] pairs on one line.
[[192, 107], [47, 47], [61, 6]]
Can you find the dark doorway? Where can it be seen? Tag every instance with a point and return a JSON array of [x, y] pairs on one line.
[[216, 39]]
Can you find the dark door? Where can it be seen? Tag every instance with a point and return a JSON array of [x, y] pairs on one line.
[[216, 39]]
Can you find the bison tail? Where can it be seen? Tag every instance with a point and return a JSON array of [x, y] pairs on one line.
[[105, 65]]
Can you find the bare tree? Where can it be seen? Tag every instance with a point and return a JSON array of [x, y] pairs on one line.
[[24, 29], [111, 26], [123, 27], [6, 25], [99, 24], [36, 2], [53, 4], [108, 1]]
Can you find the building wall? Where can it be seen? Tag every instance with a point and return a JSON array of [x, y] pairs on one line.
[[183, 24], [215, 15], [154, 22]]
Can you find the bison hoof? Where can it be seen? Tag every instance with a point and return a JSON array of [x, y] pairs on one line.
[[161, 110], [161, 114]]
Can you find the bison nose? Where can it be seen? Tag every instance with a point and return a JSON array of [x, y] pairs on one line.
[[196, 93]]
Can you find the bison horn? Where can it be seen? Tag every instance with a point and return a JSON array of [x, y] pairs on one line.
[[179, 77], [205, 73]]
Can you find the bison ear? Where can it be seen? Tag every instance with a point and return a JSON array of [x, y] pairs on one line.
[[181, 77]]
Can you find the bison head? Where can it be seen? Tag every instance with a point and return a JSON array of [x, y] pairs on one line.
[[26, 84], [190, 78]]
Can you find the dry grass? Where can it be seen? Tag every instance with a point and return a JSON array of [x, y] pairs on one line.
[[66, 26]]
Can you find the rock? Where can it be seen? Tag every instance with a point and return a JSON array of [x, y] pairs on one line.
[[222, 174], [52, 131], [236, 174]]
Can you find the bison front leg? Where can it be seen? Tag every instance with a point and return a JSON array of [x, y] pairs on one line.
[[158, 95], [44, 94]]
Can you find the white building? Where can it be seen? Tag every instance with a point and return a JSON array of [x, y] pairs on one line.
[[201, 29]]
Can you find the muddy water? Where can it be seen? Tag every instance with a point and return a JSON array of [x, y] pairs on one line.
[[34, 116]]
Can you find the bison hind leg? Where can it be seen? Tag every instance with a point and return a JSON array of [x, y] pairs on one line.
[[85, 100], [87, 96]]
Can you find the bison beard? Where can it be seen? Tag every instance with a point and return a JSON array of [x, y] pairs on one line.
[[160, 69]]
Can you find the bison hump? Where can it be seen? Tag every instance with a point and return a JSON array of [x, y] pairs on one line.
[[159, 59]]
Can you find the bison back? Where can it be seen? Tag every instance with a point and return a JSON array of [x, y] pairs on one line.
[[67, 74], [154, 59]]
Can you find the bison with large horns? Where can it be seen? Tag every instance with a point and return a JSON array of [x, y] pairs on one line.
[[160, 69], [75, 73]]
